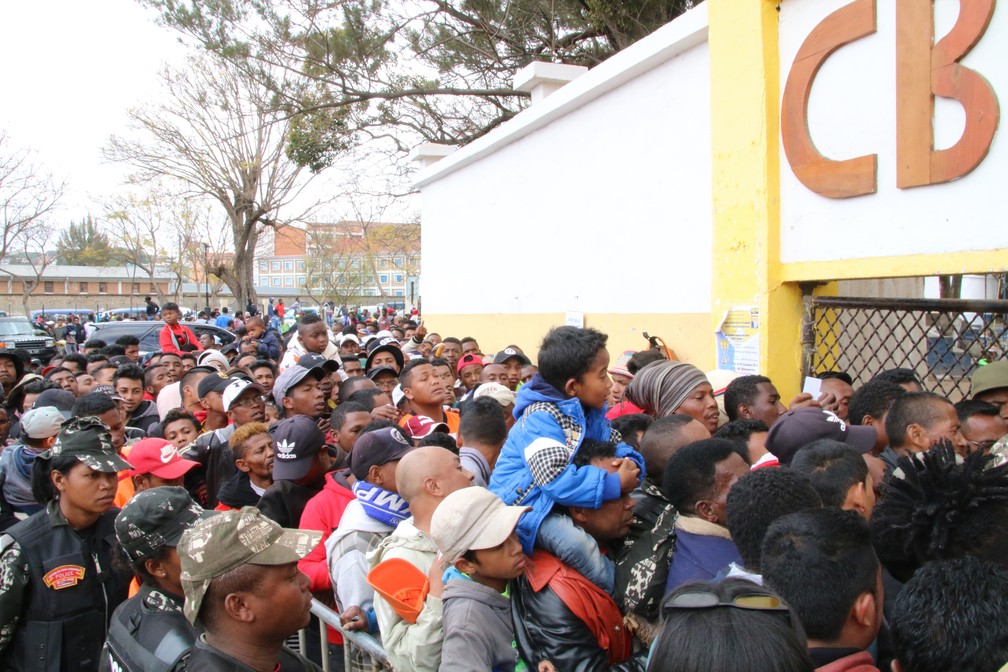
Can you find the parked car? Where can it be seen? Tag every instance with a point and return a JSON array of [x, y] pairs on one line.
[[18, 332], [148, 333]]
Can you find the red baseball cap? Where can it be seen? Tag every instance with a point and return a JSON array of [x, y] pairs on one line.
[[420, 427], [469, 359], [158, 457]]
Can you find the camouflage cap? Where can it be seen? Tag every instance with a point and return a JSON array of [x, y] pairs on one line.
[[155, 519], [89, 440], [214, 546], [999, 453]]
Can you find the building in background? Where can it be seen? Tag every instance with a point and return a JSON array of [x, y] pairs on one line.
[[344, 262]]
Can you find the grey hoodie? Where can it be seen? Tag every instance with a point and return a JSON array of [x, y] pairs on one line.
[[478, 635]]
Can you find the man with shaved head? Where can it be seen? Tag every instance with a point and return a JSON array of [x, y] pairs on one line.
[[424, 477], [643, 561]]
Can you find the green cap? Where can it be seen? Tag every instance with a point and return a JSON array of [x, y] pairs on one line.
[[214, 546], [89, 440], [989, 377], [154, 519]]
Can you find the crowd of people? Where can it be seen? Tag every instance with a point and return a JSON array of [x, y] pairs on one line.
[[178, 510]]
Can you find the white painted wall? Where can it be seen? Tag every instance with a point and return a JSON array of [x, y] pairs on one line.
[[598, 199], [852, 112]]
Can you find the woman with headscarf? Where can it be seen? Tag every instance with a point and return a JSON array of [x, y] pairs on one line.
[[664, 388]]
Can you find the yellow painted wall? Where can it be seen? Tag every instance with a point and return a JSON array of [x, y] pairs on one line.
[[745, 132], [688, 334]]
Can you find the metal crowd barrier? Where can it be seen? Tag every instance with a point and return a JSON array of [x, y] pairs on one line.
[[361, 641]]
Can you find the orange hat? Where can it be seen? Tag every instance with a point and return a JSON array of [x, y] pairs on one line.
[[402, 585]]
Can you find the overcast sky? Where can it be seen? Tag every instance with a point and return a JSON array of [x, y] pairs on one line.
[[71, 69]]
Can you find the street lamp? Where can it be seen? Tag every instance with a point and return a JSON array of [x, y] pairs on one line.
[[206, 272]]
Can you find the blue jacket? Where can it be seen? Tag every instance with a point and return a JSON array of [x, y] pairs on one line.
[[512, 479], [269, 345]]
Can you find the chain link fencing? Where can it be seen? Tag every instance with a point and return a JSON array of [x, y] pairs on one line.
[[941, 340]]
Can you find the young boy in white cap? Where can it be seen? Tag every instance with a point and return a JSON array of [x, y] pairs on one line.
[[475, 534], [39, 427]]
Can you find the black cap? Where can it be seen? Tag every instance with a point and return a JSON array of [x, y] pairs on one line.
[[375, 372], [511, 353], [387, 344], [313, 359], [298, 441], [215, 382], [377, 448]]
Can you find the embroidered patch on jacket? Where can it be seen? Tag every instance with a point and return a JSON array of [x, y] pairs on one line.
[[64, 576]]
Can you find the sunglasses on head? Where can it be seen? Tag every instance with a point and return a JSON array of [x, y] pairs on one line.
[[707, 600]]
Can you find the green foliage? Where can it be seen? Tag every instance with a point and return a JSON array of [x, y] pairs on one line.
[[425, 70], [85, 244]]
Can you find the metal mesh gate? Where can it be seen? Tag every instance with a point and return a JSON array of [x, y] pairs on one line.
[[942, 340]]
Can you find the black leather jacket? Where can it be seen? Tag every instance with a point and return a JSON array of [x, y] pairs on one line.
[[546, 631]]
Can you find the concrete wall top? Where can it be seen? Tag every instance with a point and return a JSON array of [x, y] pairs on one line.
[[596, 199]]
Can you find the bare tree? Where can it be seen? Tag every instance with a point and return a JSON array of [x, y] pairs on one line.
[[27, 194], [223, 137], [31, 247]]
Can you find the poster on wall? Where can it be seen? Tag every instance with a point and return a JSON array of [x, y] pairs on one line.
[[738, 341]]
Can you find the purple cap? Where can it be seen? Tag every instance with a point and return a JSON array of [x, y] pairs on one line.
[[799, 427]]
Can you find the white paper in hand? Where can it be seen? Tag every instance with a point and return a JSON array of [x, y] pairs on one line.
[[813, 386]]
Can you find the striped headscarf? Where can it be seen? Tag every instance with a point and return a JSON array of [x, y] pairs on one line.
[[661, 387]]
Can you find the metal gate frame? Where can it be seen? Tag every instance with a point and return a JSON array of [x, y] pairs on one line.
[[941, 340]]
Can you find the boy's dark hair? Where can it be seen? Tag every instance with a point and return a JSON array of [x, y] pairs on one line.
[[757, 500], [78, 359], [639, 360], [837, 375], [690, 472], [57, 369], [106, 365], [467, 339], [921, 408], [338, 417], [481, 421], [874, 398], [440, 361], [942, 509], [967, 408], [746, 639], [127, 340], [630, 425], [832, 467], [820, 561], [740, 430], [349, 358], [94, 403], [97, 357], [660, 441], [406, 375], [951, 616], [308, 319], [130, 372], [742, 390], [151, 371], [94, 343], [567, 352], [591, 449], [170, 305], [440, 439], [452, 339], [365, 397], [262, 363], [176, 414], [114, 350], [898, 376]]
